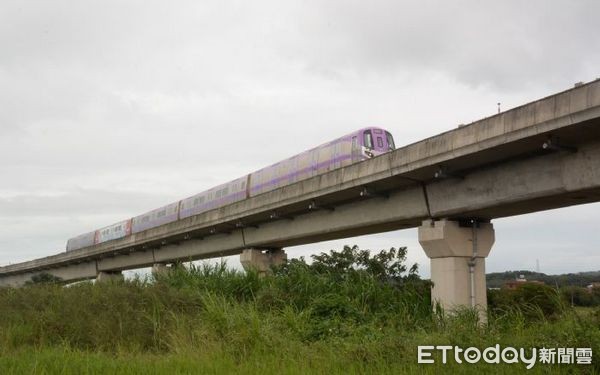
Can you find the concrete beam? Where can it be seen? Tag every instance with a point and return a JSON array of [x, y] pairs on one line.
[[72, 272], [137, 259], [211, 246], [404, 208], [14, 281], [541, 182]]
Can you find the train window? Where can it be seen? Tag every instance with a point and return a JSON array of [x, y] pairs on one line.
[[379, 142], [161, 213], [117, 228], [354, 143], [226, 191], [243, 184], [390, 141], [368, 139]]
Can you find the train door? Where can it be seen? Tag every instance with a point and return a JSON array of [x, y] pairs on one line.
[[337, 152], [355, 150], [314, 161], [292, 169], [379, 141]]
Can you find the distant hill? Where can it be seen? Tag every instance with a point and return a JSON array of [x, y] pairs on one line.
[[497, 279]]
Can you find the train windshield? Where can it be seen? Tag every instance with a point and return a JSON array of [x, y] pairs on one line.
[[368, 139], [390, 141]]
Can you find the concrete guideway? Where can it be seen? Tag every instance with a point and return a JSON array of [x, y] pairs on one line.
[[539, 156]]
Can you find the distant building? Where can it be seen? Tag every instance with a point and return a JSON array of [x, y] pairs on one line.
[[592, 286], [518, 281]]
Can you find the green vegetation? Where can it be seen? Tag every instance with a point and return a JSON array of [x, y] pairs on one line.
[[44, 278], [346, 312]]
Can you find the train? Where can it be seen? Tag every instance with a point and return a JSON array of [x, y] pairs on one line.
[[352, 148]]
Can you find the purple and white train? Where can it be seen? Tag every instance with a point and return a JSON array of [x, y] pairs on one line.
[[352, 148]]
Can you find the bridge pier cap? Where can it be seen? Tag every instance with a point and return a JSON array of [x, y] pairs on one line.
[[262, 260], [457, 254]]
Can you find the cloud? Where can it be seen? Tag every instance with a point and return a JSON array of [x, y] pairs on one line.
[[77, 202], [504, 45]]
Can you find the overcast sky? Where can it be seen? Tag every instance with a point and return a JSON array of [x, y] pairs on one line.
[[111, 108]]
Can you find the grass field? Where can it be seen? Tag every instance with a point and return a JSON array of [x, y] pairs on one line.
[[341, 314]]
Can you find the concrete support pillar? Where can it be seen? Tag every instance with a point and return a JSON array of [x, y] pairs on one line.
[[457, 254], [159, 269], [109, 276], [262, 260]]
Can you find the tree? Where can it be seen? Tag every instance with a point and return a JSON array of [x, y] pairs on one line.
[[44, 278]]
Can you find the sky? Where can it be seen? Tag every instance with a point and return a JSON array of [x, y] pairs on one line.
[[109, 109]]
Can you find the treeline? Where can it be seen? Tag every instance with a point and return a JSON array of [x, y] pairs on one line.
[[571, 287]]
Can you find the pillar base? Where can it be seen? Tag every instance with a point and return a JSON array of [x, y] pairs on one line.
[[458, 263], [109, 276], [451, 277], [262, 260]]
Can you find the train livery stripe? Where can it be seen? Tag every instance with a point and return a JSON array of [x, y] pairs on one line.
[[295, 174]]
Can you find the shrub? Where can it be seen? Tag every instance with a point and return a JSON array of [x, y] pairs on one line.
[[536, 301]]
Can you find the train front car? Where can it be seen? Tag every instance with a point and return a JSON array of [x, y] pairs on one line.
[[370, 142]]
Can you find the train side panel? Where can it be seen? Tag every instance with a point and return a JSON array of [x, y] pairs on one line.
[[114, 231], [304, 166], [160, 216], [216, 197], [346, 151], [322, 159], [81, 241]]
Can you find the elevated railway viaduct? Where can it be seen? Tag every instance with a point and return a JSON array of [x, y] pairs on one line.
[[539, 156]]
